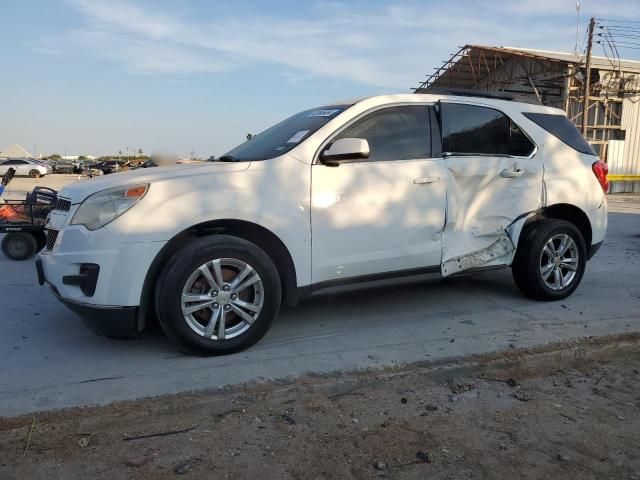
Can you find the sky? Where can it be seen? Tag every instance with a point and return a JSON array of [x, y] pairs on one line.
[[101, 76]]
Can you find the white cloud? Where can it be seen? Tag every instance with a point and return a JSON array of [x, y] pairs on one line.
[[385, 46]]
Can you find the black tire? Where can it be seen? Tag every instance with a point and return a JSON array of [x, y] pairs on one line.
[[34, 174], [41, 240], [178, 271], [19, 245], [527, 264]]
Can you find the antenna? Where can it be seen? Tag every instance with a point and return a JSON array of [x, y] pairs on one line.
[[575, 50]]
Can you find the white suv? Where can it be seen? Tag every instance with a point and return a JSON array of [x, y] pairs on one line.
[[383, 187]]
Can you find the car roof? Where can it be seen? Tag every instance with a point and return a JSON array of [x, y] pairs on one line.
[[480, 99]]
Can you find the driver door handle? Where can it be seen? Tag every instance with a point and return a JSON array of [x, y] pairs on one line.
[[512, 173], [426, 180]]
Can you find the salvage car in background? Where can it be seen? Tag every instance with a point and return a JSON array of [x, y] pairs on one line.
[[25, 167], [65, 166], [388, 186], [105, 167]]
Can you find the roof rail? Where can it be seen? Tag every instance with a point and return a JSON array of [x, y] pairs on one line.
[[466, 92]]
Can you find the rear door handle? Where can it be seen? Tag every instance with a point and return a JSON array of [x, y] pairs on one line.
[[506, 173], [426, 180]]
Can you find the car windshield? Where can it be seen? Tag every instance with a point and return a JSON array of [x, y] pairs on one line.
[[283, 136]]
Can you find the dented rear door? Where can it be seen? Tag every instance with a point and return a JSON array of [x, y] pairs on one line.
[[494, 177]]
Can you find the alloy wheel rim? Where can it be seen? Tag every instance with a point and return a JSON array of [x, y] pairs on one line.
[[559, 261], [222, 298]]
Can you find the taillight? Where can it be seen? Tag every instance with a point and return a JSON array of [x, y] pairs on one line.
[[601, 171]]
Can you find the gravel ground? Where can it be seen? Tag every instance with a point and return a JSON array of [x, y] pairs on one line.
[[565, 411]]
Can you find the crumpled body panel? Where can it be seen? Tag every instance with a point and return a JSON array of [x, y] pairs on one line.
[[483, 201]]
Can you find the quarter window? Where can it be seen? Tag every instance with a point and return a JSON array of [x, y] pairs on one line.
[[561, 127], [394, 133], [471, 129]]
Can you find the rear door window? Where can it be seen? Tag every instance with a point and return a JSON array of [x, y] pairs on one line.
[[472, 129], [394, 133], [561, 127]]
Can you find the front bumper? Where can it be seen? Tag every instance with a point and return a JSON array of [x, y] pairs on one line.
[[98, 277], [108, 321]]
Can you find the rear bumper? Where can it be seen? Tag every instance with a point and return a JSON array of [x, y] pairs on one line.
[[598, 218], [594, 249]]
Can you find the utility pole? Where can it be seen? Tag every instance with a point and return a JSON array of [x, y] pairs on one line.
[[587, 90], [575, 49]]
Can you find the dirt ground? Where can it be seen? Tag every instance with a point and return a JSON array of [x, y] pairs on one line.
[[563, 412]]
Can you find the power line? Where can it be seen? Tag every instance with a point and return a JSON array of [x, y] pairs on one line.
[[618, 28], [629, 48], [617, 35], [617, 21], [622, 43]]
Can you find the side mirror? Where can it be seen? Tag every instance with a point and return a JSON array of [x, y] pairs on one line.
[[345, 149]]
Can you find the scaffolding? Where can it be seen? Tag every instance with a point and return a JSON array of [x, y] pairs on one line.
[[550, 78]]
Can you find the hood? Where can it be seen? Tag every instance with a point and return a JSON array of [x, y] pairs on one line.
[[78, 191]]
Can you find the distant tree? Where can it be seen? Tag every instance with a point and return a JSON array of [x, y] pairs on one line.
[[120, 152], [139, 151], [55, 156], [82, 157]]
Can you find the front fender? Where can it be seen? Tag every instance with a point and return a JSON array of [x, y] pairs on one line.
[[261, 196]]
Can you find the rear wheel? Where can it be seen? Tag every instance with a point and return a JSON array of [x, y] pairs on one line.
[[19, 245], [218, 295], [34, 174], [550, 260]]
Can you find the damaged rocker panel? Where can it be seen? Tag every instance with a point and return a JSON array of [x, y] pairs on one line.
[[503, 247]]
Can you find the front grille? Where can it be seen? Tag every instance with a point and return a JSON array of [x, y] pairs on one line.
[[52, 236], [63, 204]]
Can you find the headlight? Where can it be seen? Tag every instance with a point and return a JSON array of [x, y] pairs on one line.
[[102, 207]]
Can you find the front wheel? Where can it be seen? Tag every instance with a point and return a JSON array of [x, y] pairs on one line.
[[217, 295], [550, 260], [35, 174]]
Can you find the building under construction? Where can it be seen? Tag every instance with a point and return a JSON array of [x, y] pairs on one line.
[[612, 124]]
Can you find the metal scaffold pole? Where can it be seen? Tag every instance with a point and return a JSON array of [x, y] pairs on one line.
[[587, 82]]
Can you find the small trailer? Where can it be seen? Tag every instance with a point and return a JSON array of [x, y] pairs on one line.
[[23, 221]]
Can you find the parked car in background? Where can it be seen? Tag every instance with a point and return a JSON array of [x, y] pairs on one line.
[[146, 164], [385, 187], [65, 166], [110, 166], [25, 167], [107, 166]]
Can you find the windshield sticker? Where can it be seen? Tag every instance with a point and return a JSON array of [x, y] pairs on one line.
[[322, 113], [298, 136]]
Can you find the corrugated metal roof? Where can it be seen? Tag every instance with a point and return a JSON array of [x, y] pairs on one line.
[[472, 64], [602, 63]]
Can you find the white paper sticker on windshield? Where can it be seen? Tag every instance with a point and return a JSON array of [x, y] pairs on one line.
[[322, 113], [298, 136]]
